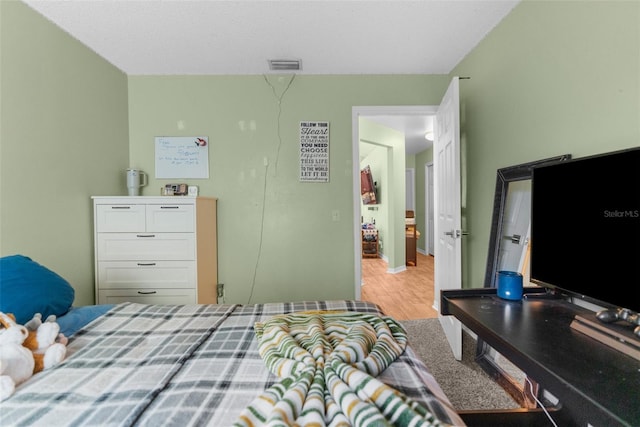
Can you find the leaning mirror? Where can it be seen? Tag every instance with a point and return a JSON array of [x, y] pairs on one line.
[[508, 250]]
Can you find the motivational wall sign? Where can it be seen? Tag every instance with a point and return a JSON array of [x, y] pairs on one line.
[[314, 151]]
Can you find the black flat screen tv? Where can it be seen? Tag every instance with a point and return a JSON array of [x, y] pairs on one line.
[[585, 228]]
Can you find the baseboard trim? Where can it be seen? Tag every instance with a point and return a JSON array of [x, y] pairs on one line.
[[397, 269]]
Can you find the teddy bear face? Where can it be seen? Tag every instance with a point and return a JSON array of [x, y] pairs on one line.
[[10, 331]]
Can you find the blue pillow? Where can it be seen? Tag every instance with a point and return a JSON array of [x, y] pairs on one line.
[[27, 288], [78, 317]]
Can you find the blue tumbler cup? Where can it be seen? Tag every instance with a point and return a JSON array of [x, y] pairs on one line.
[[510, 285]]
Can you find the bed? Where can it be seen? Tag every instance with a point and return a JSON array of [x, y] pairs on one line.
[[149, 365], [180, 365]]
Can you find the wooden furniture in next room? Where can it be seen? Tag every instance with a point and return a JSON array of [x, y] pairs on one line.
[[369, 243], [411, 244], [412, 236]]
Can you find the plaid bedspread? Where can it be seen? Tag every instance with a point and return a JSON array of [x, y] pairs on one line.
[[193, 365]]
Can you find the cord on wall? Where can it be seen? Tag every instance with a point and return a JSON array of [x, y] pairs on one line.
[[255, 268], [279, 99], [266, 170]]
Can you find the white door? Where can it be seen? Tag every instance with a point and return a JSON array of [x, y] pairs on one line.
[[448, 233]]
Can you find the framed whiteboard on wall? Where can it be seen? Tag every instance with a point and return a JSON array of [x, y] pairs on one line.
[[182, 157]]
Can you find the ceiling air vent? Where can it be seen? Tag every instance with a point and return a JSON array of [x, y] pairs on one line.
[[285, 64]]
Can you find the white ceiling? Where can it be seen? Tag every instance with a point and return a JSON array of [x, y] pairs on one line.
[[413, 126], [217, 37]]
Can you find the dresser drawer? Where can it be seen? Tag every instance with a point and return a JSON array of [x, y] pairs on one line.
[[120, 218], [146, 246], [147, 275], [170, 218], [146, 296]]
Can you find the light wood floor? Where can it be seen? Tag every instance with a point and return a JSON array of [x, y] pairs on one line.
[[404, 296]]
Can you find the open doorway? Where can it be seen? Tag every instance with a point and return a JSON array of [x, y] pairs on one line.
[[395, 274]]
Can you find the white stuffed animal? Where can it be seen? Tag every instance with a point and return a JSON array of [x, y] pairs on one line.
[[26, 351]]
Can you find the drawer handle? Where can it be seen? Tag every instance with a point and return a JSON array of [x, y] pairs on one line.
[[147, 293], [147, 264], [145, 235], [120, 207], [169, 207]]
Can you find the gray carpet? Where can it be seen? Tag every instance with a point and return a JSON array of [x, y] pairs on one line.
[[464, 382]]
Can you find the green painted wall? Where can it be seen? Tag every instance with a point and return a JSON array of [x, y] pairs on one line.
[[301, 253], [63, 138], [553, 78]]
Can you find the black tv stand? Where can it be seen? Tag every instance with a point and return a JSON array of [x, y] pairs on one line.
[[594, 383]]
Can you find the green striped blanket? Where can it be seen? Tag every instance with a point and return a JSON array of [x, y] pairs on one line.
[[327, 363]]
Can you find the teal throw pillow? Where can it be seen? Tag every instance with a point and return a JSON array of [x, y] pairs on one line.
[[27, 288]]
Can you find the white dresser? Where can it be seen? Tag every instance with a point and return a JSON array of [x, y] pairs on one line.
[[155, 250]]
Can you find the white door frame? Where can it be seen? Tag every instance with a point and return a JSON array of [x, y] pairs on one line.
[[356, 113], [428, 208]]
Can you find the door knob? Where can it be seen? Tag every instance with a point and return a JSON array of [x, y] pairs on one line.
[[456, 233]]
